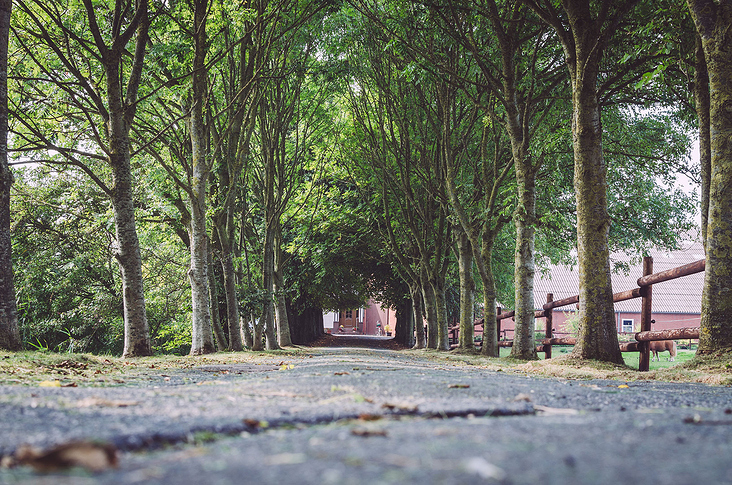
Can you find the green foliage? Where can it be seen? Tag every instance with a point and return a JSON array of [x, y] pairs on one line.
[[352, 117], [66, 278]]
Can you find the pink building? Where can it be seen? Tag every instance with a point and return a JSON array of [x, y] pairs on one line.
[[368, 320]]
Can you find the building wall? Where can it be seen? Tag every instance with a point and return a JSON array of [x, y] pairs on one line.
[[374, 316], [329, 321], [365, 321]]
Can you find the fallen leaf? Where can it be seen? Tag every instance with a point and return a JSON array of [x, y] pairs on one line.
[[70, 364], [365, 433], [90, 455], [344, 373], [370, 417], [403, 407], [49, 384], [70, 384], [623, 386], [458, 386], [256, 423]]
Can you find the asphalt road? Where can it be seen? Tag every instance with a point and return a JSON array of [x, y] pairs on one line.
[[361, 416]]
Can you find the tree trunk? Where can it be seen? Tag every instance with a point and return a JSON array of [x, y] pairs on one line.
[[701, 98], [259, 326], [524, 218], [229, 272], [443, 336], [278, 288], [597, 338], [267, 283], [430, 306], [214, 301], [489, 343], [415, 293], [404, 326], [306, 325], [467, 291], [713, 20], [9, 330], [202, 339], [246, 333], [122, 109], [280, 306], [137, 333]]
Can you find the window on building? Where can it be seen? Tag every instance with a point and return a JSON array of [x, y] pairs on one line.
[[337, 317], [627, 325], [349, 313]]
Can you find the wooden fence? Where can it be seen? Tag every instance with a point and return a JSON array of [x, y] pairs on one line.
[[642, 338]]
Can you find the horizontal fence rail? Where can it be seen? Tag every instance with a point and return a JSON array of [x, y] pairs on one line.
[[642, 338]]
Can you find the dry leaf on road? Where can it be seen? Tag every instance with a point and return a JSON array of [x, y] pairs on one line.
[[90, 455]]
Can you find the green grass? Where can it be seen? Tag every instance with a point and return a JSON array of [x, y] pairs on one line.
[[630, 358]]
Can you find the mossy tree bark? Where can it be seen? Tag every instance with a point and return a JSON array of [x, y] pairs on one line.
[[525, 219], [701, 101], [202, 336], [597, 337], [278, 289], [467, 291], [9, 330], [585, 32], [713, 21], [122, 104], [213, 296]]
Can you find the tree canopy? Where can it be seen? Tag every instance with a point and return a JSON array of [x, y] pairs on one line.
[[202, 175]]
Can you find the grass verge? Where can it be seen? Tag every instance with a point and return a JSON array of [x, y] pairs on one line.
[[71, 370]]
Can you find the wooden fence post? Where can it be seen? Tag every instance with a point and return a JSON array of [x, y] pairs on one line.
[[548, 322], [498, 322], [644, 360]]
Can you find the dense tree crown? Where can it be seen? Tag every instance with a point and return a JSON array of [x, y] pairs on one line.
[[193, 175]]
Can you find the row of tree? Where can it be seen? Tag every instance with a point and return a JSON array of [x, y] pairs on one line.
[[310, 154]]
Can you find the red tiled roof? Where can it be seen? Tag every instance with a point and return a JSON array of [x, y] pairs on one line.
[[682, 295]]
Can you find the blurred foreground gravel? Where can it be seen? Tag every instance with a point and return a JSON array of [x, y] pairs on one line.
[[360, 416]]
